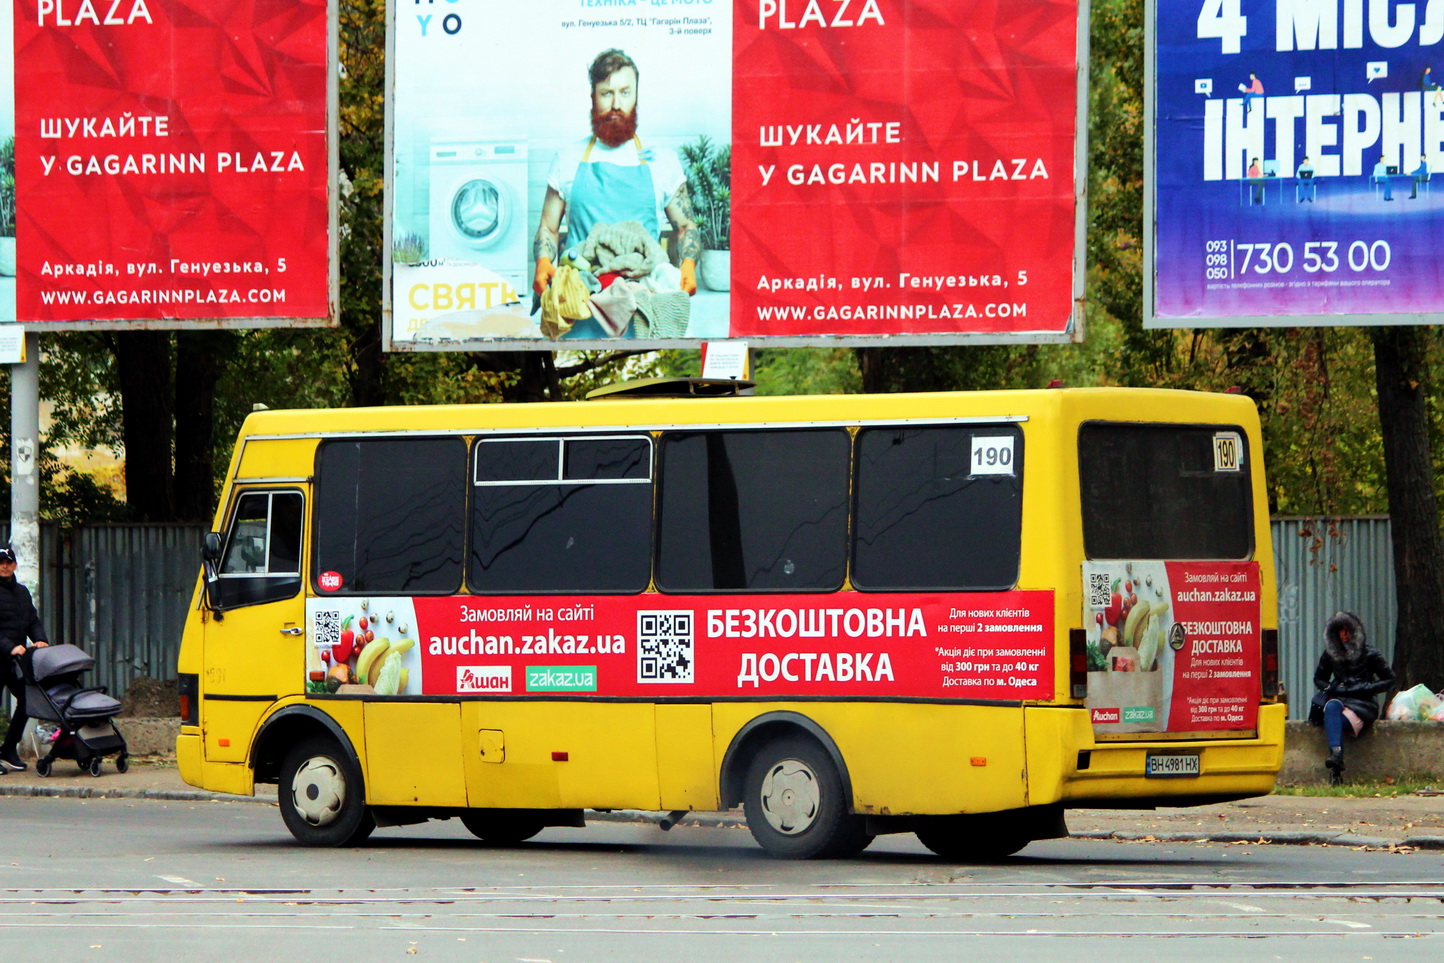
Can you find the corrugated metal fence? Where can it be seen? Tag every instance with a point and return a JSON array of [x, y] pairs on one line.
[[121, 592], [1324, 566]]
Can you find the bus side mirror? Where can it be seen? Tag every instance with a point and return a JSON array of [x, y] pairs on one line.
[[210, 557]]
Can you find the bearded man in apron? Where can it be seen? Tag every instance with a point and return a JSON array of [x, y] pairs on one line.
[[611, 177]]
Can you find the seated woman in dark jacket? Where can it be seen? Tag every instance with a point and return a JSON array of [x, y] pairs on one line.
[[1350, 676]]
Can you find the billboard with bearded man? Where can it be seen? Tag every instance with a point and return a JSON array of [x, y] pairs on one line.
[[884, 171]]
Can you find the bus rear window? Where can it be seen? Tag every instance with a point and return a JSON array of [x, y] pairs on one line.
[[1165, 491], [760, 511], [389, 514]]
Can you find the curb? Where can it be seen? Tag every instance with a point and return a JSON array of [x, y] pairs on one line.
[[102, 792], [1270, 838]]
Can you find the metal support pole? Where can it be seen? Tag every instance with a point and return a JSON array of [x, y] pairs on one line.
[[25, 473], [24, 465]]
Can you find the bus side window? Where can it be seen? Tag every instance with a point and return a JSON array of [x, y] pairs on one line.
[[390, 513], [564, 514], [758, 511], [262, 560], [938, 509]]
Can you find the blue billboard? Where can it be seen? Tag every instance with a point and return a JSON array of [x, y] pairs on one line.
[[1295, 150]]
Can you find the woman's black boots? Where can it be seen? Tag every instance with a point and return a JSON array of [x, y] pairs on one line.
[[1335, 765]]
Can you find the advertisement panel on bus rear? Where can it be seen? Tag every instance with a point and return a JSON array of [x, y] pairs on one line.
[[1172, 646], [171, 163], [995, 646], [760, 169]]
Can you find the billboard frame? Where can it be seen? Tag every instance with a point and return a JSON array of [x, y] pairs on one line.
[[1071, 334], [333, 243]]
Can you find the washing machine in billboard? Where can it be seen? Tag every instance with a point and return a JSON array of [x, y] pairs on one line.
[[478, 205]]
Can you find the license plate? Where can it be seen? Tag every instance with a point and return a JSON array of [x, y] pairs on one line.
[[1164, 764]]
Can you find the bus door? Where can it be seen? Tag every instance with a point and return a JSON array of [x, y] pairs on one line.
[[254, 645]]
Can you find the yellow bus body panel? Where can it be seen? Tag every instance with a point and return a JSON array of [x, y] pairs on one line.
[[562, 755], [906, 758]]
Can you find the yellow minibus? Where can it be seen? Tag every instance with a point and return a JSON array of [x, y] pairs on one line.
[[954, 614]]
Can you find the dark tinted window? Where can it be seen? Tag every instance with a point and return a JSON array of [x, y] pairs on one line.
[[389, 513], [562, 515], [262, 561], [1165, 491], [938, 508], [754, 510]]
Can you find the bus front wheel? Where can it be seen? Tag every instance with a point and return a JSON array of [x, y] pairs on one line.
[[502, 827], [795, 805], [984, 838], [321, 796]]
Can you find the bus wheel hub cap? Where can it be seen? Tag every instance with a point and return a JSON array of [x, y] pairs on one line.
[[790, 797], [318, 791]]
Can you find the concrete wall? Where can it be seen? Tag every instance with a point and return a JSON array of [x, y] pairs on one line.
[[1403, 750]]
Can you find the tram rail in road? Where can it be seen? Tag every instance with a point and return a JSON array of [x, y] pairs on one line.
[[1093, 909]]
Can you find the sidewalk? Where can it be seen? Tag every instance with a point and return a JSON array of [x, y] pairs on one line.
[[1404, 822]]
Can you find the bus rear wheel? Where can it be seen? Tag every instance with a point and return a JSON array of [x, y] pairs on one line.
[[795, 804], [983, 839], [502, 827], [321, 795]]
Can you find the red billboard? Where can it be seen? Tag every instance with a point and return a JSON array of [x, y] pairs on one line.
[[172, 162], [904, 168]]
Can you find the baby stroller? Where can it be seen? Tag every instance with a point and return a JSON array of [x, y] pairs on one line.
[[71, 722]]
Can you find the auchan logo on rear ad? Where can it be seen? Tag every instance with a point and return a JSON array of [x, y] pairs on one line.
[[483, 678], [1107, 716]]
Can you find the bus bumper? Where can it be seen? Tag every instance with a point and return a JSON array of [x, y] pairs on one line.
[[1066, 764]]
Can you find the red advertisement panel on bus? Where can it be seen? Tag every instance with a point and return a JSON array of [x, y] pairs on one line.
[[1173, 646], [995, 646]]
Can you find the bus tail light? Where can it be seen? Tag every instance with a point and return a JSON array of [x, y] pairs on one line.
[[1270, 655], [188, 687], [1078, 662]]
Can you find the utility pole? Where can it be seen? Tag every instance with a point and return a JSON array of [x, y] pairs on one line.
[[25, 465]]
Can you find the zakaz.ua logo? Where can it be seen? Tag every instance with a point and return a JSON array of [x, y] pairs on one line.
[[1106, 716], [483, 678]]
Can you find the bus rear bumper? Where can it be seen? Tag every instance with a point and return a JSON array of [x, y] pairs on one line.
[[1066, 764]]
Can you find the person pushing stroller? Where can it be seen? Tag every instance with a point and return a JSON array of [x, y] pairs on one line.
[[18, 621]]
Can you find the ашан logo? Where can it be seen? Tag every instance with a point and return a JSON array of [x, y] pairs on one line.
[[483, 678]]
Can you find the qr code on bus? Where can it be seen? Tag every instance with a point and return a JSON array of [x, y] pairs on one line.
[[1100, 589], [665, 647], [326, 627]]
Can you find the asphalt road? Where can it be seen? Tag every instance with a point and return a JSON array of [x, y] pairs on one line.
[[142, 879]]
